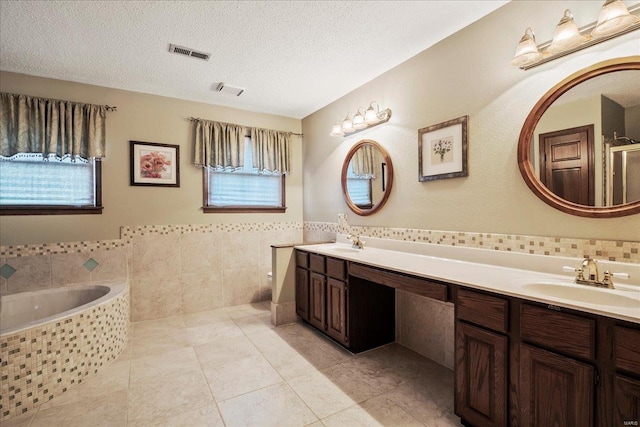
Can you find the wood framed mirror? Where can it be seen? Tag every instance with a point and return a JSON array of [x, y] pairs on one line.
[[367, 177], [578, 148]]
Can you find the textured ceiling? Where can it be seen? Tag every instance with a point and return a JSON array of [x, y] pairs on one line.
[[292, 57]]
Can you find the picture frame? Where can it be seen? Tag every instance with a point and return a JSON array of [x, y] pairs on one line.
[[154, 164], [442, 150]]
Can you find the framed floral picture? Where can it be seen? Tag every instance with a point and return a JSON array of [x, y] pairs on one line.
[[442, 150], [155, 164]]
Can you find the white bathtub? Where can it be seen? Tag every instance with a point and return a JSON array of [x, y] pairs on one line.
[[54, 339], [27, 309]]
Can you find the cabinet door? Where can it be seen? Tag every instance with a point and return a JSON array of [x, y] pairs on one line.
[[627, 398], [481, 376], [317, 301], [554, 390], [337, 310], [302, 293]]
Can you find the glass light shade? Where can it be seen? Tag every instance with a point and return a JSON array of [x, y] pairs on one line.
[[613, 17], [336, 130], [347, 125], [566, 36], [370, 116], [358, 121], [527, 52]]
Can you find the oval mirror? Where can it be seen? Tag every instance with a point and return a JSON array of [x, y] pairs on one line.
[[579, 148], [367, 177]]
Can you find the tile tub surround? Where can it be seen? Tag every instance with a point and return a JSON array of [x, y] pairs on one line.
[[612, 250], [252, 373], [45, 361], [50, 269]]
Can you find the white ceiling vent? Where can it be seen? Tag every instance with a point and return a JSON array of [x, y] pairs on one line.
[[181, 50], [229, 90]]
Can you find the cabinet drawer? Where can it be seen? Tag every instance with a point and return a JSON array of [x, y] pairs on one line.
[[627, 349], [337, 268], [302, 259], [316, 263], [415, 285], [484, 310], [558, 331]]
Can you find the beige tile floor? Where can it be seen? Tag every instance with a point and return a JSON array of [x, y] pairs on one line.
[[231, 367]]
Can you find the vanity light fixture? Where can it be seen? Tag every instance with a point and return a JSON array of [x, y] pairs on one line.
[[372, 117], [614, 20]]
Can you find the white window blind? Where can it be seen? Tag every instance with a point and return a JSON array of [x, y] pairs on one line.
[[245, 186], [358, 188], [29, 180]]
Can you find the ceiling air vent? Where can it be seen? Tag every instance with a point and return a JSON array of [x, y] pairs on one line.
[[181, 50], [229, 90]]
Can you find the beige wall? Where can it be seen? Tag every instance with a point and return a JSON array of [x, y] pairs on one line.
[[466, 74], [149, 118]]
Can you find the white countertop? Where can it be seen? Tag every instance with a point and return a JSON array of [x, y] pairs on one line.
[[500, 272]]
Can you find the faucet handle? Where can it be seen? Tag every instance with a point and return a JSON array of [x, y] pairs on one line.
[[580, 276], [608, 278]]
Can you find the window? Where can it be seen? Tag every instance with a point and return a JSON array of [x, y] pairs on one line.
[[243, 190], [32, 185], [359, 189]]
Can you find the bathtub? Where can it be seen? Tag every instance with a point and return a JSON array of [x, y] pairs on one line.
[[53, 339]]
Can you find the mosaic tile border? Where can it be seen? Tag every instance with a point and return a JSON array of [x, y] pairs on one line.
[[60, 248], [128, 232], [612, 250], [45, 361]]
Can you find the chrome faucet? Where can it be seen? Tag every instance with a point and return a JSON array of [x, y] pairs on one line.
[[588, 274], [356, 243]]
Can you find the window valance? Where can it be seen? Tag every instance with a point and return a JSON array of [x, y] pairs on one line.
[[51, 127], [365, 162], [220, 145], [271, 150]]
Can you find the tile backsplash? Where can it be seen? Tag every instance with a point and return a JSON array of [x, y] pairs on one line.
[[612, 250]]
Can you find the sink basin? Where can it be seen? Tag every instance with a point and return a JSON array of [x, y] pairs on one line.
[[346, 250], [584, 294]]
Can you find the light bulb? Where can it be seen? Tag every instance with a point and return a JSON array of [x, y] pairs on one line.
[[336, 130], [347, 125], [370, 115], [358, 121]]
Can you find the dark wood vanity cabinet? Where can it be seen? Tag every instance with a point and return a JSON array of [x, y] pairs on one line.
[[560, 367], [357, 314], [626, 356], [318, 301], [518, 363], [302, 293], [481, 357], [557, 374]]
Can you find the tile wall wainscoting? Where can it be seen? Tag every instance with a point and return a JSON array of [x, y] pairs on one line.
[[172, 269], [186, 269]]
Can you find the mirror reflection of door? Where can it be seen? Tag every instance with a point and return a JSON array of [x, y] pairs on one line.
[[566, 164], [610, 105]]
